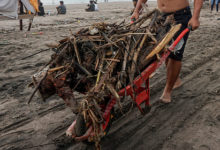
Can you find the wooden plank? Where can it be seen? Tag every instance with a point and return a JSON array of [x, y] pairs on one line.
[[26, 16], [164, 42]]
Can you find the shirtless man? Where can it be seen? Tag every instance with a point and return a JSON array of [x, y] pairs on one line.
[[182, 14]]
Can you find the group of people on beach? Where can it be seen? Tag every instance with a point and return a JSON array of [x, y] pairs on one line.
[[61, 9]]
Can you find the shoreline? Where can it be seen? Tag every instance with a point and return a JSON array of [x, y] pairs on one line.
[[76, 16], [50, 4]]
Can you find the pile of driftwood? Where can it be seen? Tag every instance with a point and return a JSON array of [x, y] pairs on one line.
[[100, 60]]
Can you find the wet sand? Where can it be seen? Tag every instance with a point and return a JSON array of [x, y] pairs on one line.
[[190, 122]]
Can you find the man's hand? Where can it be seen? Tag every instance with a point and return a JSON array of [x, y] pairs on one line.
[[136, 12], [194, 23], [135, 15]]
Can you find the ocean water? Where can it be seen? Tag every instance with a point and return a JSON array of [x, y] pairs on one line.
[[53, 2]]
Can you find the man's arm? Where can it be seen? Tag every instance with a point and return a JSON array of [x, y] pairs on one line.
[[194, 21], [139, 5], [137, 9]]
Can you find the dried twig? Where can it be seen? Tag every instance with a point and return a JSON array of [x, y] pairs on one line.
[[44, 50], [76, 50], [36, 88]]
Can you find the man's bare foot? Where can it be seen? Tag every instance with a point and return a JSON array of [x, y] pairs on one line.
[[70, 130], [165, 98], [178, 83]]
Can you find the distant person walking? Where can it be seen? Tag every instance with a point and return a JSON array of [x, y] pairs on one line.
[[216, 4], [106, 0], [61, 9]]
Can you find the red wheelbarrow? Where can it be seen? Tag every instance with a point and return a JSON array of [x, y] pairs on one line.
[[139, 91]]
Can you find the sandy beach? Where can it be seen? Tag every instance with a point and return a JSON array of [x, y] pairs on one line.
[[190, 122]]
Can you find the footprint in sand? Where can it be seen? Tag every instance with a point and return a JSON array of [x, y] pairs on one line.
[[186, 146], [204, 147], [218, 117], [39, 64]]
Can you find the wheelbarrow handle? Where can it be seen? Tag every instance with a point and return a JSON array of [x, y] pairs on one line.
[[182, 34]]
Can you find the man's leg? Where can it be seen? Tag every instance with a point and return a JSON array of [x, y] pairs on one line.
[[173, 70], [174, 59], [178, 82]]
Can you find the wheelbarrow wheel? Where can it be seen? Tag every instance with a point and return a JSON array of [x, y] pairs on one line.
[[80, 127]]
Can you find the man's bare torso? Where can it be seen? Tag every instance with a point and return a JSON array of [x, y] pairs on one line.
[[172, 5]]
